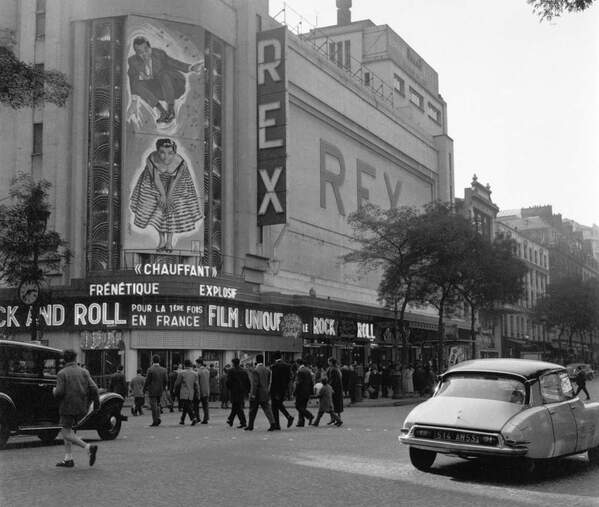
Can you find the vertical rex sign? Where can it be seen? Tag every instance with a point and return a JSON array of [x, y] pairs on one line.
[[272, 126]]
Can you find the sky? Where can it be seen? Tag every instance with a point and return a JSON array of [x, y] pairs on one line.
[[522, 95]]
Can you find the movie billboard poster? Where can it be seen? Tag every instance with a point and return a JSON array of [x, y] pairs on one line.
[[163, 96]]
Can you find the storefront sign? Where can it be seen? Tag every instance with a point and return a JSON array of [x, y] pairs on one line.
[[133, 288], [291, 326], [93, 340], [272, 121], [123, 289], [324, 326], [176, 270], [58, 315], [248, 318], [366, 330]]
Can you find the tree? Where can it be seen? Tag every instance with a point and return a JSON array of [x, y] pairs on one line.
[[441, 240], [491, 274], [24, 85], [571, 306], [548, 9], [385, 245], [27, 249]]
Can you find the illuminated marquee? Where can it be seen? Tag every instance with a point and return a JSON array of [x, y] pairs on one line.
[[272, 120]]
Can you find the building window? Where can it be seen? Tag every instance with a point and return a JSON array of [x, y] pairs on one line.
[[38, 134], [339, 60], [347, 55], [339, 52], [399, 85], [434, 113], [416, 99], [40, 19]]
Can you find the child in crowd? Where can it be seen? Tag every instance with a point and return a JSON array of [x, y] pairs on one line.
[[325, 397]]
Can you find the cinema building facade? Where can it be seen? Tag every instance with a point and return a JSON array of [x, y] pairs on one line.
[[233, 244]]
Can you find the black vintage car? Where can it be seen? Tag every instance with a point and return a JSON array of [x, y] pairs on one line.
[[27, 405]]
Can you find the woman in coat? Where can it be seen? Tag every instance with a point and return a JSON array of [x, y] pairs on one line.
[[214, 385], [336, 382], [224, 391]]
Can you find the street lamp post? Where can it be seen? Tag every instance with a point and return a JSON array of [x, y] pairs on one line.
[[37, 221]]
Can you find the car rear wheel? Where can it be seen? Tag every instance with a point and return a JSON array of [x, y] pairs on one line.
[[4, 430], [422, 459], [48, 435], [112, 423], [594, 456]]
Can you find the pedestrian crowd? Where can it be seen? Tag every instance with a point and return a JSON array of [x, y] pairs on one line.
[[378, 379], [191, 386]]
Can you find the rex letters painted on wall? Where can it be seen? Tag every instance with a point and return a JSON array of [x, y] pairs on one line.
[[271, 126]]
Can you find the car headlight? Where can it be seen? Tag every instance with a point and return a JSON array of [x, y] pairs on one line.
[[407, 426]]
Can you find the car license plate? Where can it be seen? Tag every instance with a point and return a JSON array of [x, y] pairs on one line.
[[456, 436]]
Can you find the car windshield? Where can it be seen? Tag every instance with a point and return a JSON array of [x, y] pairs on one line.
[[483, 386]]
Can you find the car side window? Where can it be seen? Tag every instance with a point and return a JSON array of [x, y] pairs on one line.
[[566, 385], [21, 362], [51, 365], [551, 388]]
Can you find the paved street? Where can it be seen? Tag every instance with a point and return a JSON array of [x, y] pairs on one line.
[[360, 463]]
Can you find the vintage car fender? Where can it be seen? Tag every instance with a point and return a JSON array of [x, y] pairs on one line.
[[587, 422], [11, 410], [94, 418], [531, 428]]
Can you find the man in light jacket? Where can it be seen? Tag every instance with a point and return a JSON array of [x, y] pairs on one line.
[[187, 389], [75, 390], [137, 391]]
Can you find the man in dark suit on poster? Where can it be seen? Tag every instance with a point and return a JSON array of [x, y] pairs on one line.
[[158, 78], [260, 377], [156, 383]]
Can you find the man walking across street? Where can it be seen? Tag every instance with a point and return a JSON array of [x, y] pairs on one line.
[[156, 383], [137, 391], [118, 384], [280, 378], [172, 378], [187, 389], [581, 380], [304, 386], [204, 380], [75, 390], [259, 394], [238, 383], [336, 383]]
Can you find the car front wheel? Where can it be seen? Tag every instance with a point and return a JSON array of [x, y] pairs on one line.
[[112, 423], [422, 459], [4, 430]]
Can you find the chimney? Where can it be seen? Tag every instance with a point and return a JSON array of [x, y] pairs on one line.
[[343, 12]]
